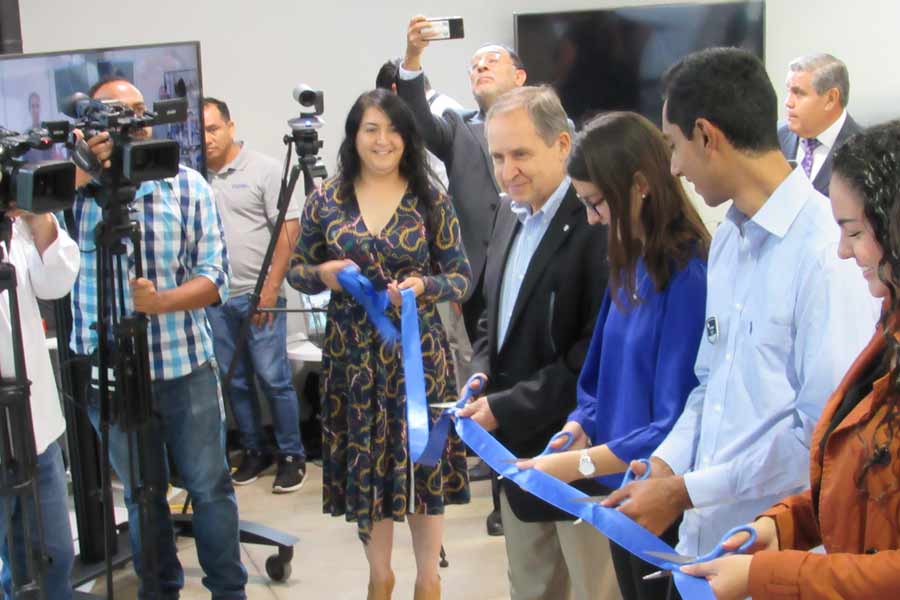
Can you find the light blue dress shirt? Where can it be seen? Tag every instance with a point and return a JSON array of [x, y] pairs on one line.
[[526, 242], [785, 317]]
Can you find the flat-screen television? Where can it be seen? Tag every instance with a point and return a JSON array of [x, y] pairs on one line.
[[36, 87], [601, 60]]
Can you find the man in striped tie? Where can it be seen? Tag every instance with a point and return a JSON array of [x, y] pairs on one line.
[[818, 89]]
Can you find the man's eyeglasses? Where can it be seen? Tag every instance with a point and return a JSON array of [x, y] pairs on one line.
[[489, 59]]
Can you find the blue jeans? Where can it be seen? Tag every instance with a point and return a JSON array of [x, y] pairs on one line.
[[265, 355], [51, 480], [187, 425]]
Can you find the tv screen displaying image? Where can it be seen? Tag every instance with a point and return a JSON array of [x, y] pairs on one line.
[[603, 60], [36, 87]]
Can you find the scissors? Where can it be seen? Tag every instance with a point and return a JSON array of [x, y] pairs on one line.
[[628, 478], [467, 394], [717, 552], [547, 449]]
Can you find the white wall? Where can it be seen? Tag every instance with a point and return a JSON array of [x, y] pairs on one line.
[[255, 52]]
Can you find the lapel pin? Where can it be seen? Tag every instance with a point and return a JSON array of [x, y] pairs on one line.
[[712, 330], [566, 227]]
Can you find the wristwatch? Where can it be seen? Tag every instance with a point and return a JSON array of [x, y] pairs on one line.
[[585, 465]]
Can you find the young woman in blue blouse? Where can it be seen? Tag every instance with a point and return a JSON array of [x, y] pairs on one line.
[[639, 368]]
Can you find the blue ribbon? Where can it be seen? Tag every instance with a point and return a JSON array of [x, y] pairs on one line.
[[613, 524], [427, 449], [375, 303]]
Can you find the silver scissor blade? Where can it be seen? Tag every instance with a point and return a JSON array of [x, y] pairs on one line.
[[672, 557], [657, 575], [442, 405], [592, 499]]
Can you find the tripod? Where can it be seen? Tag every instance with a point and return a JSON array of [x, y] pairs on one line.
[[307, 143], [122, 345], [18, 451]]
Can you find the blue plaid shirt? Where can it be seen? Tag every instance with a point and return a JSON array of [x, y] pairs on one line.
[[181, 238]]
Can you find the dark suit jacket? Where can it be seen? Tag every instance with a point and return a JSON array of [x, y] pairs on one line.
[[457, 139], [790, 140], [532, 378]]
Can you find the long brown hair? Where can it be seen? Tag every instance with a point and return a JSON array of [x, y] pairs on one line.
[[609, 152]]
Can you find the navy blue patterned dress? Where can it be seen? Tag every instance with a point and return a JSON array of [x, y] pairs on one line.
[[366, 469]]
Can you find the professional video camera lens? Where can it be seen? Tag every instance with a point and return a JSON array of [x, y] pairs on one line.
[[38, 187]]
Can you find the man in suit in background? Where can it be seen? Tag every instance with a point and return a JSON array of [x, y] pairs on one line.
[[543, 284], [457, 139], [818, 91]]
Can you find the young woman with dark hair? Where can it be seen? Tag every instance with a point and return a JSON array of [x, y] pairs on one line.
[[639, 368], [853, 505], [382, 213]]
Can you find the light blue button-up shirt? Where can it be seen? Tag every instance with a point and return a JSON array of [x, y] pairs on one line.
[[785, 317], [529, 236]]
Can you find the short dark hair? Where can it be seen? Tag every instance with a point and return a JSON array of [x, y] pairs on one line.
[[388, 74], [730, 88], [108, 79], [223, 108]]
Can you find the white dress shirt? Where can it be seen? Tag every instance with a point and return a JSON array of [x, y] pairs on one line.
[[48, 276], [827, 140], [785, 317], [525, 243]]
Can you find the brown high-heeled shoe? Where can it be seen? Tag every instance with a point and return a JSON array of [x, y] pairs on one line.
[[381, 590], [428, 591]]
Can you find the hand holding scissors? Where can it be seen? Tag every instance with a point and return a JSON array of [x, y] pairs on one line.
[[721, 549]]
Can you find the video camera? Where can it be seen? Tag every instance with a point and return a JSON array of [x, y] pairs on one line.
[[303, 128], [38, 187], [134, 160]]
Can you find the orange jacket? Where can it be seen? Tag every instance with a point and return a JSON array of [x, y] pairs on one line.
[[860, 530]]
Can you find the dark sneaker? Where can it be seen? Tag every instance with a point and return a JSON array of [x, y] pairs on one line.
[[253, 463], [291, 474]]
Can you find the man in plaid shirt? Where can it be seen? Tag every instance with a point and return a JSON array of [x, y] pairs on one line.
[[185, 270]]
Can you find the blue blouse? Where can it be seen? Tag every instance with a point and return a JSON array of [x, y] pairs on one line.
[[639, 369]]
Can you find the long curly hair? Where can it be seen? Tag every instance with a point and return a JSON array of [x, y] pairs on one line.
[[869, 163], [413, 164], [609, 152]]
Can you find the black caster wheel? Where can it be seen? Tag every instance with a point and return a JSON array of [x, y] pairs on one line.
[[276, 569]]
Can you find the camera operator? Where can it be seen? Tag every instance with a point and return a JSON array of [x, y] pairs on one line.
[[185, 266], [46, 262]]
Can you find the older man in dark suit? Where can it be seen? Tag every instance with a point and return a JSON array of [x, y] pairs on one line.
[[457, 139], [818, 88], [543, 284]]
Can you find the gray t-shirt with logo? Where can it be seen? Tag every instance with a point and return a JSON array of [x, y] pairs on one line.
[[247, 191]]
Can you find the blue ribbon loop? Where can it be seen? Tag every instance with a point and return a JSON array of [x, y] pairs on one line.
[[427, 447], [375, 303]]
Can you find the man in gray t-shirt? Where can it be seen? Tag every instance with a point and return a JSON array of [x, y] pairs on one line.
[[247, 185]]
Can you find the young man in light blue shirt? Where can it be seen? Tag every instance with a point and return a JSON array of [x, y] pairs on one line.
[[784, 316]]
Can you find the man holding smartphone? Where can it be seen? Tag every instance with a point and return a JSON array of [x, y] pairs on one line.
[[457, 138]]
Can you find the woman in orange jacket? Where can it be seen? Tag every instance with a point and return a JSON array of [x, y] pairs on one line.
[[853, 505]]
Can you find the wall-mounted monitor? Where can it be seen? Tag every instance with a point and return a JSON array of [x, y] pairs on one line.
[[35, 88], [613, 59]]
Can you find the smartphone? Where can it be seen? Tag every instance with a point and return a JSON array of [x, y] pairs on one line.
[[445, 28]]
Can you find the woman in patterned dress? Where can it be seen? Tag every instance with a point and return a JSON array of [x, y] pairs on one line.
[[382, 213]]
